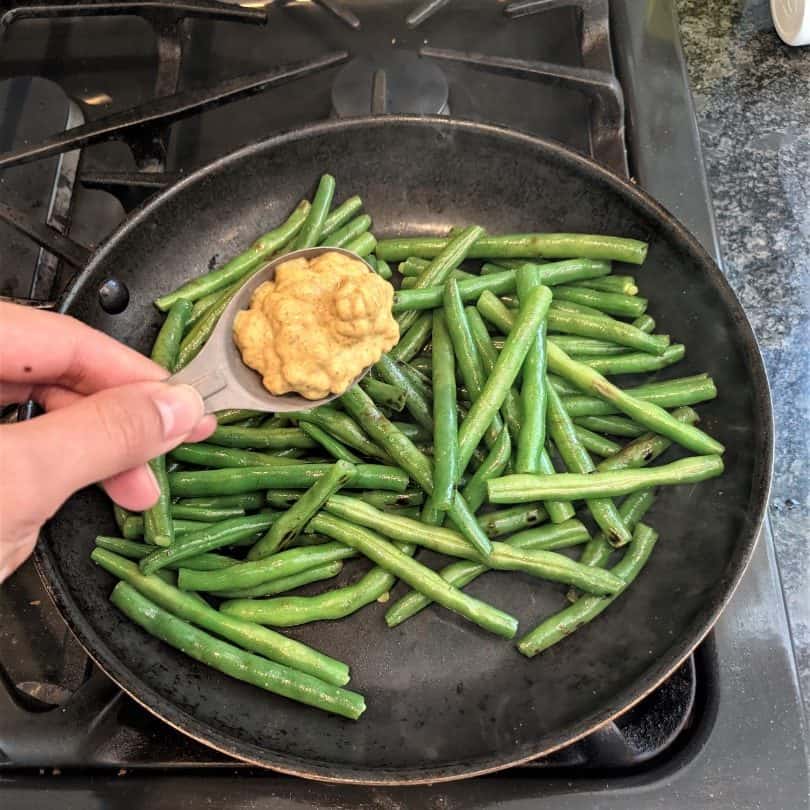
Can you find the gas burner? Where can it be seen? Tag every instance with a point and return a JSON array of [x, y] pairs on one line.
[[398, 82]]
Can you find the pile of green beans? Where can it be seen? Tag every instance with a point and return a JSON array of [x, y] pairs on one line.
[[478, 436]]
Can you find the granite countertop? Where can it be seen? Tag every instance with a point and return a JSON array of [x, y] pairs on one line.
[[752, 96]]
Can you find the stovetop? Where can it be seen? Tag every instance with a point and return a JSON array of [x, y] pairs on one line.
[[726, 729]]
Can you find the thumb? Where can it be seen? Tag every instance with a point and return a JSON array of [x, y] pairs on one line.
[[102, 435]]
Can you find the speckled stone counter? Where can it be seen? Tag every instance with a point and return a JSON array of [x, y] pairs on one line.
[[752, 95]]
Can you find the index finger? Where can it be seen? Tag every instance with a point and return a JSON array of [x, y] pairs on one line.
[[44, 347]]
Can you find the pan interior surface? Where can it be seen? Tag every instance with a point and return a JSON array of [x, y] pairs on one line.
[[445, 700]]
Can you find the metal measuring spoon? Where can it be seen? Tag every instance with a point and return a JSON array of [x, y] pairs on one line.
[[218, 371]]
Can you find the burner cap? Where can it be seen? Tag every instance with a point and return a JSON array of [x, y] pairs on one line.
[[395, 82]]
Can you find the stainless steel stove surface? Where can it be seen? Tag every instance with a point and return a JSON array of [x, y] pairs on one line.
[[726, 730]]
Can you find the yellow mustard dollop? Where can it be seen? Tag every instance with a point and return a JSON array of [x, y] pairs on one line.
[[317, 325]]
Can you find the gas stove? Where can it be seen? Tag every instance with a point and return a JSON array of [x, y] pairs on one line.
[[146, 91]]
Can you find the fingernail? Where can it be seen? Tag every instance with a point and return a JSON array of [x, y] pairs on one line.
[[180, 408]]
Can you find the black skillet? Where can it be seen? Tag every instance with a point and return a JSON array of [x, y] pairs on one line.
[[445, 700]]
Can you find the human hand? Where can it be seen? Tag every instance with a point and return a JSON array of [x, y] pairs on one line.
[[108, 412]]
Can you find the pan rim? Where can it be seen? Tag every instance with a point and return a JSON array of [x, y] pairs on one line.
[[230, 744]]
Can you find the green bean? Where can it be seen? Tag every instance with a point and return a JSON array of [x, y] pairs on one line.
[[395, 443], [415, 403], [475, 492], [316, 574], [625, 285], [635, 363], [561, 386], [248, 501], [408, 283], [363, 245], [197, 336], [231, 660], [411, 298], [644, 412], [503, 375], [237, 268], [158, 527], [606, 328], [647, 447], [645, 323], [463, 518], [565, 272], [310, 233], [577, 460], [342, 427], [423, 383], [412, 340], [253, 573], [533, 397], [383, 269], [499, 283], [518, 246], [558, 511], [488, 268], [120, 514], [203, 305], [459, 574], [231, 415], [272, 645], [588, 347], [167, 343], [495, 312], [413, 266], [594, 443], [329, 443], [625, 306], [387, 500], [403, 450], [339, 216], [351, 230], [292, 611], [598, 550], [282, 498], [665, 394], [225, 533], [133, 527], [137, 551], [562, 624], [469, 362], [265, 438], [545, 565], [386, 395], [298, 476], [513, 519], [208, 455], [388, 556], [445, 418], [205, 514], [511, 408], [447, 259], [613, 425], [414, 432], [252, 422], [573, 486], [284, 530]]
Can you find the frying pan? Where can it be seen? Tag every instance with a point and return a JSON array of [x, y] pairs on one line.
[[445, 700]]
